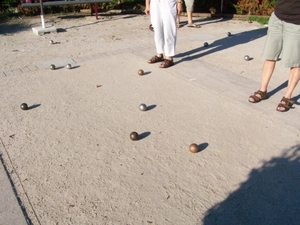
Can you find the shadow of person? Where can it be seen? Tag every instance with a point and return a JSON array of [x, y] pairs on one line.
[[222, 44], [280, 87], [270, 196]]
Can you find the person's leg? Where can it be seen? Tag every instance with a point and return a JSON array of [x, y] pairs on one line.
[[293, 81], [268, 68], [190, 17], [290, 59], [156, 21], [169, 28], [178, 21], [271, 52], [189, 11], [294, 78]]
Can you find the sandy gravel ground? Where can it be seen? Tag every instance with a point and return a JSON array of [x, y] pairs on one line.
[[70, 154]]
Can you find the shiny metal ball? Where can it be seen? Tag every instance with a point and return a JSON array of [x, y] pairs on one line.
[[69, 66], [205, 44], [24, 106], [51, 42], [52, 67], [134, 136], [249, 21], [194, 148], [141, 72], [143, 107], [246, 57], [228, 34]]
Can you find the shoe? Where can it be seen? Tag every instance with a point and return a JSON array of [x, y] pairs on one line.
[[256, 98], [286, 104], [156, 59], [166, 63], [193, 25], [151, 27]]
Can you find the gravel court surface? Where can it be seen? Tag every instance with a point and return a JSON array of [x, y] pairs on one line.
[[72, 151]]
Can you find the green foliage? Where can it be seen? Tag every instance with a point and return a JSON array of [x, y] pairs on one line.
[[250, 7], [260, 19], [255, 7]]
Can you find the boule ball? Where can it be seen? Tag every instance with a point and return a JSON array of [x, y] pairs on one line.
[[51, 42], [134, 136], [246, 57], [143, 107], [249, 21], [69, 66], [228, 34], [194, 148], [205, 44], [141, 72], [52, 67], [24, 106]]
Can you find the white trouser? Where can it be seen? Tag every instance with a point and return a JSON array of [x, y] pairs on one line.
[[163, 18]]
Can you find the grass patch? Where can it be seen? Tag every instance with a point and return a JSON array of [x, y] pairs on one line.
[[260, 19]]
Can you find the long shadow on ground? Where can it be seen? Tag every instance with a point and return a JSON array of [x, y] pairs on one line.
[[270, 196], [222, 44]]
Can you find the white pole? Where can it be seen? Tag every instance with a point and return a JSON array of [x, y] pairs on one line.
[[42, 14]]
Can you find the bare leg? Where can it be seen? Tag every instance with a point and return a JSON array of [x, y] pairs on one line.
[[190, 17], [292, 83], [267, 72], [178, 21]]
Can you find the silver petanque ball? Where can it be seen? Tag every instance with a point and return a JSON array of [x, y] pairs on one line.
[[51, 42], [205, 44], [246, 57], [69, 66], [143, 107], [228, 34]]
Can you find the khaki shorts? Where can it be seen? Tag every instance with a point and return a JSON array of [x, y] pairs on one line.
[[189, 4], [283, 40]]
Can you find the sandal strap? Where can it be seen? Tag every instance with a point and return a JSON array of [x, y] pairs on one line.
[[263, 94], [287, 101], [156, 59], [166, 63]]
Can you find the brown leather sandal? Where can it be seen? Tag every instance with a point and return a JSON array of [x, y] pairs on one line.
[[263, 96], [166, 63], [151, 27], [156, 59], [285, 103]]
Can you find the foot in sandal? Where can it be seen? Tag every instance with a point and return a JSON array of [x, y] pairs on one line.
[[285, 104], [193, 25], [156, 58], [167, 63], [258, 96]]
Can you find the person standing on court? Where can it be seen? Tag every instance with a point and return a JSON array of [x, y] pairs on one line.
[[189, 4], [283, 39], [163, 15]]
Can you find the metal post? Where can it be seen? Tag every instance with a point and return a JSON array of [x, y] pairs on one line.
[[42, 14], [221, 7]]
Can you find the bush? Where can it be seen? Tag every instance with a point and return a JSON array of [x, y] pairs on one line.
[[251, 7], [255, 7]]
